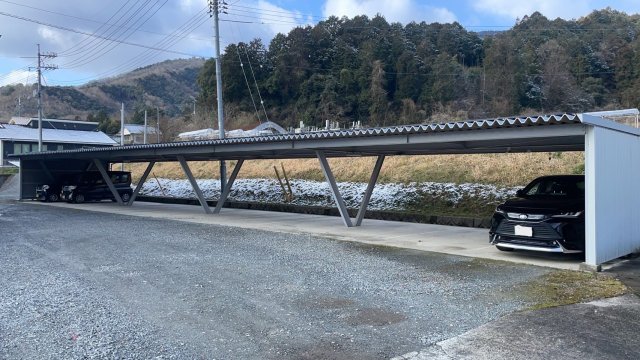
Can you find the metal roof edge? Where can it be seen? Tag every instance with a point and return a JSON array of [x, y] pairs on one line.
[[593, 120]]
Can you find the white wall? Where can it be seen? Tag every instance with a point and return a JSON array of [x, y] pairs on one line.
[[612, 168]]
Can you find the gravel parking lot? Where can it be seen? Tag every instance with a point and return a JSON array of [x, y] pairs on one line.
[[77, 284]]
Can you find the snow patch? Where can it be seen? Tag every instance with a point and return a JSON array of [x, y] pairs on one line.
[[316, 193]]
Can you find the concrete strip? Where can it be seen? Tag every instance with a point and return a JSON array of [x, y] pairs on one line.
[[470, 242], [603, 329]]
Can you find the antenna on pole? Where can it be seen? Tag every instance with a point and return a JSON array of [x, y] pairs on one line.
[[41, 66], [214, 10]]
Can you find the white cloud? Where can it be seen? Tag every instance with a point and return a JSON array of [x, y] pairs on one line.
[[55, 37], [550, 8], [403, 11], [17, 77], [279, 20]]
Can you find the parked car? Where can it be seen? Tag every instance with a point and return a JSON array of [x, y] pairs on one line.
[[547, 215], [52, 191], [91, 186], [48, 193]]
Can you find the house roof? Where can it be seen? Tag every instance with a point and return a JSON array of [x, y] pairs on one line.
[[16, 120], [21, 133], [135, 129]]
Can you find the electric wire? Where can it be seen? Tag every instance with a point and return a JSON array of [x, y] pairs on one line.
[[283, 12], [93, 35], [168, 41], [256, 83], [248, 86], [106, 47], [87, 41]]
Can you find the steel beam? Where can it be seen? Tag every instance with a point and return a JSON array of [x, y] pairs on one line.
[[369, 191], [107, 180], [194, 184], [227, 188], [141, 182], [324, 164]]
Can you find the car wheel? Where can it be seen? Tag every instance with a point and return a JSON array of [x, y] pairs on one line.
[[502, 248], [53, 197], [126, 197], [79, 198]]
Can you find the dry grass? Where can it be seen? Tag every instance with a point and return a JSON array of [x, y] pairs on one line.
[[498, 169], [8, 170], [569, 287]]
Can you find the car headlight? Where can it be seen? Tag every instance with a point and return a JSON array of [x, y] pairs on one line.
[[70, 187], [45, 187], [569, 214]]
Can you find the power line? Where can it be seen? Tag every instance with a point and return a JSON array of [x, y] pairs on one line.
[[169, 40], [87, 41], [260, 11], [256, 83], [246, 80], [260, 18], [105, 47], [94, 35]]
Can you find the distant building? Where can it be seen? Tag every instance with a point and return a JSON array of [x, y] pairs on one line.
[[134, 134], [17, 139], [55, 124]]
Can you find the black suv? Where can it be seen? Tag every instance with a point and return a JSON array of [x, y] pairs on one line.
[[91, 186], [547, 215]]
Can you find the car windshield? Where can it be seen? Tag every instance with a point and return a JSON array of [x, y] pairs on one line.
[[569, 187]]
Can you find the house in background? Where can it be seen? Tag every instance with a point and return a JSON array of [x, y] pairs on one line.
[[17, 139], [134, 134], [55, 124]]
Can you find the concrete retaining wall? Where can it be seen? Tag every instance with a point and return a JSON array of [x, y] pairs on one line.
[[3, 179]]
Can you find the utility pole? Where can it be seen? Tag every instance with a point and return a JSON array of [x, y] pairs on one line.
[[144, 138], [122, 124], [157, 125], [214, 10], [42, 66], [122, 130]]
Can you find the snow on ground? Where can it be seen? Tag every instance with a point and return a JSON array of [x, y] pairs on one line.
[[316, 193]]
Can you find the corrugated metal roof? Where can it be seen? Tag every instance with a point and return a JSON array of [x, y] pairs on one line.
[[21, 133], [484, 124]]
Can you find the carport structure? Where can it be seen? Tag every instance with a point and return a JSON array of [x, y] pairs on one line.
[[612, 151]]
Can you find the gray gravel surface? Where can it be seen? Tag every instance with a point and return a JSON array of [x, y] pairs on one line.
[[77, 284]]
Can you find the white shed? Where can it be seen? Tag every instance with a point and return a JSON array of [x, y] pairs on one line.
[[612, 176]]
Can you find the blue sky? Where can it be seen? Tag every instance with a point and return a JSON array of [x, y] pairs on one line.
[[181, 28]]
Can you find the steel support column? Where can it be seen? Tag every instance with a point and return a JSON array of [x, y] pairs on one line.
[[194, 184], [141, 182], [324, 164], [107, 180], [227, 187], [369, 191]]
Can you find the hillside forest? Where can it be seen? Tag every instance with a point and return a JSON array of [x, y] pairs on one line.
[[379, 73]]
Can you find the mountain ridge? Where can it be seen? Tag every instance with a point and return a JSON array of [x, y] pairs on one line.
[[169, 85]]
